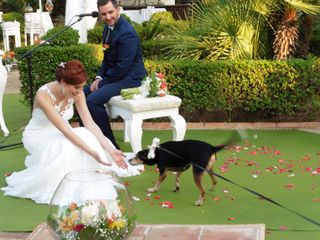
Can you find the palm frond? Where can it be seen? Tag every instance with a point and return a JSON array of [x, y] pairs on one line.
[[304, 7]]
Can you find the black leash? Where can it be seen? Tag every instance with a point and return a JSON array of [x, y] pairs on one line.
[[245, 188], [10, 146]]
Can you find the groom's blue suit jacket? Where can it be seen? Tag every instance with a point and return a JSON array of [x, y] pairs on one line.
[[123, 59]]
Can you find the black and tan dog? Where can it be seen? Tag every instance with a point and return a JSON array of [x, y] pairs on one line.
[[178, 156]]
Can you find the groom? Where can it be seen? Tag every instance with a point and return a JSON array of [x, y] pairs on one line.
[[122, 65]]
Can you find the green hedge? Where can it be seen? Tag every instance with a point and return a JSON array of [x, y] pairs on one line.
[[261, 89], [46, 59], [61, 36]]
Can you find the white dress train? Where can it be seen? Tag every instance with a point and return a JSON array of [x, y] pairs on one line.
[[52, 155]]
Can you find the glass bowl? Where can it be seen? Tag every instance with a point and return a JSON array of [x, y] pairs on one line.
[[91, 204]]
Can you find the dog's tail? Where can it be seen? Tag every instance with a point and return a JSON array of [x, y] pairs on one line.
[[239, 135]]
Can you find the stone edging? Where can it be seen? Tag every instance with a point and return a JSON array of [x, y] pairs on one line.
[[226, 126]]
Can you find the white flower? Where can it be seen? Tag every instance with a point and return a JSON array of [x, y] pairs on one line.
[[90, 214], [112, 208]]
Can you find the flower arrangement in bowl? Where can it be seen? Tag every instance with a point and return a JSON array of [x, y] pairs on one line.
[[107, 214]]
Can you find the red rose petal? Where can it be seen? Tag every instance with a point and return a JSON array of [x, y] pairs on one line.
[[308, 169], [166, 204], [290, 186], [283, 228], [253, 153], [216, 199], [277, 152]]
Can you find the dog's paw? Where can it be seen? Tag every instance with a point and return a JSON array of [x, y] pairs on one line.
[[199, 202], [152, 190], [176, 189], [212, 188]]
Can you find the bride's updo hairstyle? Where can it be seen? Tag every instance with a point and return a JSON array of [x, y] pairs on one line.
[[72, 72]]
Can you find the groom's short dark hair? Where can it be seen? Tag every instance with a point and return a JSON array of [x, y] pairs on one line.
[[104, 2]]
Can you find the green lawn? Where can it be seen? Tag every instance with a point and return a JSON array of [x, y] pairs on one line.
[[280, 164]]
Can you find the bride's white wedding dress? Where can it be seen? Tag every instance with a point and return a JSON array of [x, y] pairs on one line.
[[52, 155]]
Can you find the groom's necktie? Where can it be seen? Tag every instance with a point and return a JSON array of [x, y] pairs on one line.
[[109, 33]]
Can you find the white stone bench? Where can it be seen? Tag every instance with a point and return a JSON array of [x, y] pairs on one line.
[[133, 112]]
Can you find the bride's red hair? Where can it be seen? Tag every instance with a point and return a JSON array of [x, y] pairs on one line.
[[71, 72]]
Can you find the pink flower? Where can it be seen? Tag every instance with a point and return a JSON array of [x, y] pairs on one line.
[[160, 75], [163, 85]]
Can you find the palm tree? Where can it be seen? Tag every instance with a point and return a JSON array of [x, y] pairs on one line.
[[293, 33], [286, 36], [220, 29], [232, 29]]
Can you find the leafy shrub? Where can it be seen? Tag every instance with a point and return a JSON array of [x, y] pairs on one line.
[[148, 29], [153, 48], [166, 17], [62, 37], [260, 90], [263, 89], [95, 34], [46, 59], [13, 16]]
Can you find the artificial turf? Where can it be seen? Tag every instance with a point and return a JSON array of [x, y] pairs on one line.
[[280, 164]]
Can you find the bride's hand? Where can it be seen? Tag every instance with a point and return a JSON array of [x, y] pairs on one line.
[[98, 158], [118, 158]]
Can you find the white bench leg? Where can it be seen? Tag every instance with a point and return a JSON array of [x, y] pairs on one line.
[[135, 134], [179, 126], [126, 131]]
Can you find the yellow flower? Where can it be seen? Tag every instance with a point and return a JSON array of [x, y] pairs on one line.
[[74, 216], [118, 224], [67, 224]]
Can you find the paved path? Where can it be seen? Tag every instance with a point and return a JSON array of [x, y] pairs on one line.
[[13, 82], [167, 231]]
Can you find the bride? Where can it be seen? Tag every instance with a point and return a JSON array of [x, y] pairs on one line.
[[55, 148]]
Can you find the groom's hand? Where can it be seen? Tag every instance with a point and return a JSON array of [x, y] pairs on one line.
[[95, 84]]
